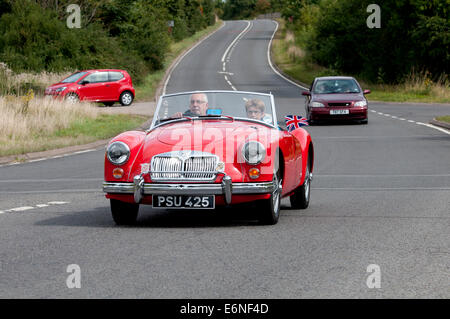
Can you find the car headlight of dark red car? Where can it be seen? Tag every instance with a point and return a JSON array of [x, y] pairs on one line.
[[317, 104], [361, 103], [118, 153], [253, 152]]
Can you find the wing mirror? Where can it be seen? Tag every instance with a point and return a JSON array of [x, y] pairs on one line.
[[84, 82], [366, 91], [306, 93]]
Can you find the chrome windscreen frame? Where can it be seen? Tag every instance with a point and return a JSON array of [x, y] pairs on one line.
[[158, 106]]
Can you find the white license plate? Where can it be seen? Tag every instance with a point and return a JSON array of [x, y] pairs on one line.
[[337, 112], [183, 201]]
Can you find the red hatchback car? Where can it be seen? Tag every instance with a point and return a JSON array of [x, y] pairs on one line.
[[106, 86], [336, 97]]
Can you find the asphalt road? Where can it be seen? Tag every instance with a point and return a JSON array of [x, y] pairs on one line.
[[380, 195]]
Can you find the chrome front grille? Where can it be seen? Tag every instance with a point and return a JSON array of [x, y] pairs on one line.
[[184, 166]]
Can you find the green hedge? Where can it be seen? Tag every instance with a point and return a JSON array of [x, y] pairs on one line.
[[125, 34]]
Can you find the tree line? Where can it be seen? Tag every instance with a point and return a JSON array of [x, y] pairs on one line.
[[413, 35], [127, 34]]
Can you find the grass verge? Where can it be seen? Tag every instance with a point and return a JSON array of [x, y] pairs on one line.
[[146, 90], [294, 61], [445, 119], [81, 131], [33, 124]]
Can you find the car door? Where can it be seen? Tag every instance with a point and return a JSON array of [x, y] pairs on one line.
[[288, 147], [112, 87], [92, 87]]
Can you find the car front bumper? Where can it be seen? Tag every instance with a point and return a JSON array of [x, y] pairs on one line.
[[354, 113], [226, 188]]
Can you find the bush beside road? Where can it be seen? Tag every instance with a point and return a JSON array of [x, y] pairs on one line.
[[294, 61]]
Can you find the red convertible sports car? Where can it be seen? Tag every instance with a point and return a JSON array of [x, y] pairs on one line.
[[207, 149]]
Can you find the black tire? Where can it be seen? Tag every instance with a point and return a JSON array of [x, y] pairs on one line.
[[300, 198], [126, 98], [72, 97], [124, 213], [269, 209], [108, 103], [308, 118]]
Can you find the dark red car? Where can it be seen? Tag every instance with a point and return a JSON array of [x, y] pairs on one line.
[[106, 86], [336, 98]]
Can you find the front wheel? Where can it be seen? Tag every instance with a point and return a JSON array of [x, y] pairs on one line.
[[126, 98], [269, 209], [124, 213], [301, 196], [72, 98]]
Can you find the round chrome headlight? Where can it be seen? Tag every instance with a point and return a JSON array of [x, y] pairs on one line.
[[118, 153], [253, 152]]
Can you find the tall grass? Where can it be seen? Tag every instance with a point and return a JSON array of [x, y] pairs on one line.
[[25, 119], [20, 83]]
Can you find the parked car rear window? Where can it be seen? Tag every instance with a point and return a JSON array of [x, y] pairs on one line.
[[115, 76], [97, 77], [73, 78]]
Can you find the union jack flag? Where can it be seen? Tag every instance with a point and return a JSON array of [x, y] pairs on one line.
[[294, 122]]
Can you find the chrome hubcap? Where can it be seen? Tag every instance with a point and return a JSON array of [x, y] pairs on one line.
[[277, 194], [126, 98], [307, 181]]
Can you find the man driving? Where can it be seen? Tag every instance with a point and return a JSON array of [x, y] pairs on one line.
[[198, 104]]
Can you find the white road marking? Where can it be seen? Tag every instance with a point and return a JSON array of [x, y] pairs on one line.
[[228, 53], [38, 160], [85, 151], [26, 208], [270, 61], [182, 57], [443, 130], [234, 41], [436, 128], [57, 203], [228, 73], [21, 209]]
